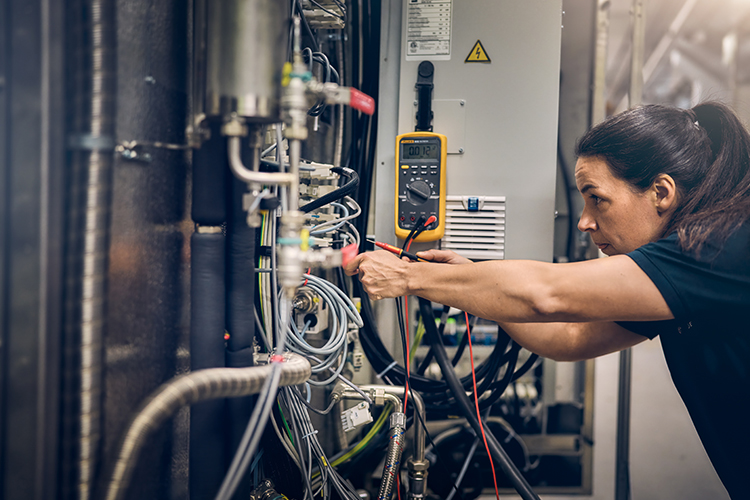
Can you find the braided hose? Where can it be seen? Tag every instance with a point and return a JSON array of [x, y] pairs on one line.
[[202, 385], [393, 456]]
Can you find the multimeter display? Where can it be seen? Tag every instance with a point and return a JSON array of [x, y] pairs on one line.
[[420, 152], [420, 183]]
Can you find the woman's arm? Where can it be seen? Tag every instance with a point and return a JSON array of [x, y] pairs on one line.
[[609, 289], [572, 341]]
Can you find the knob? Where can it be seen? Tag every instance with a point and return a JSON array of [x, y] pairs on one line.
[[418, 192]]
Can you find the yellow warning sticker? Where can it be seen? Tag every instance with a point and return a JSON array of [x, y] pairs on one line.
[[478, 54]]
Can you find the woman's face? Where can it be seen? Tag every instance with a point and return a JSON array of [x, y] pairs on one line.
[[618, 218]]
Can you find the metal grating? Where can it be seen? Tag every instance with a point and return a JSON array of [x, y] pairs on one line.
[[477, 234]]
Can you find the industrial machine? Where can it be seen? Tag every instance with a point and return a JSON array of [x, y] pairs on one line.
[[205, 172]]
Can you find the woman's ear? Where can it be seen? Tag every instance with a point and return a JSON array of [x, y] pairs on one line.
[[665, 191]]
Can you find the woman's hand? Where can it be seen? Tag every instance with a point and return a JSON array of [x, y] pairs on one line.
[[383, 275], [443, 256]]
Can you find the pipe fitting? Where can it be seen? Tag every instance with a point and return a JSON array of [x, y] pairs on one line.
[[397, 419]]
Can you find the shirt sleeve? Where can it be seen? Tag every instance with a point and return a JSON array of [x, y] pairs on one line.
[[714, 282]]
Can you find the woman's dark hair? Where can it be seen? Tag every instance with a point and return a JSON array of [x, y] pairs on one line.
[[706, 150]]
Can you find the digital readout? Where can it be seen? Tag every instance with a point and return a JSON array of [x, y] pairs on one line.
[[419, 151]]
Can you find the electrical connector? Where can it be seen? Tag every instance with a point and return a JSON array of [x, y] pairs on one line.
[[356, 416]]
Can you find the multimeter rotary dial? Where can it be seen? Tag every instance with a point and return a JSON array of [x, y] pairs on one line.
[[418, 192]]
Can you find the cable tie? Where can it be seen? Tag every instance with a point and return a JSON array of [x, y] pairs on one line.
[[277, 358], [387, 369], [310, 434]]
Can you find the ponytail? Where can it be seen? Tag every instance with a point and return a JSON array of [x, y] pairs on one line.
[[721, 202]]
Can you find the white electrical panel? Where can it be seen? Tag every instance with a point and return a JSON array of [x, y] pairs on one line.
[[496, 91]]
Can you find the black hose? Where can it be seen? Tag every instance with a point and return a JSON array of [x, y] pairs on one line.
[[207, 429], [498, 453], [210, 180], [240, 316], [345, 190]]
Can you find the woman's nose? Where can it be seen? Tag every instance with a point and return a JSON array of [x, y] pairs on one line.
[[586, 223]]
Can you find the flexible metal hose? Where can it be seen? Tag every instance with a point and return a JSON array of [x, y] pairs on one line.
[[212, 383], [393, 456], [91, 143]]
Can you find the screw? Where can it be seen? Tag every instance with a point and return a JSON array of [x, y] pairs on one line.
[[150, 79], [461, 150], [415, 103], [462, 102]]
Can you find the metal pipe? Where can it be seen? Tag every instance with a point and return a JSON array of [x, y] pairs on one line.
[[92, 145], [417, 464], [189, 389], [295, 152], [250, 176], [622, 465], [419, 431], [622, 471]]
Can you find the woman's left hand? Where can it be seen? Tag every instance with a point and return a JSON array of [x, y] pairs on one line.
[[383, 275]]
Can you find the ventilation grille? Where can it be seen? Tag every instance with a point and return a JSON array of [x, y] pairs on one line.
[[476, 234]]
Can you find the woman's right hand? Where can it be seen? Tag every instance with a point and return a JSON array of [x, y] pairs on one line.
[[443, 257]]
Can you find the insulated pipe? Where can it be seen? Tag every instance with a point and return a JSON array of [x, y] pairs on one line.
[[90, 197], [189, 389], [207, 304], [240, 314], [210, 179]]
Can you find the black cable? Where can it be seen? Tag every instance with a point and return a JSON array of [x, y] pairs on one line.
[[326, 10], [525, 367], [412, 234], [404, 343], [428, 358], [508, 467], [306, 25], [381, 359], [456, 357], [571, 246], [345, 190]]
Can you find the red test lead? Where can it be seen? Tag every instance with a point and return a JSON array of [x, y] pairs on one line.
[[398, 251]]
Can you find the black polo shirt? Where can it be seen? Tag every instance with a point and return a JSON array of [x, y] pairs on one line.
[[707, 345]]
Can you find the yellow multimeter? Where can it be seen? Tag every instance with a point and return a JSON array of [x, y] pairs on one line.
[[420, 183]]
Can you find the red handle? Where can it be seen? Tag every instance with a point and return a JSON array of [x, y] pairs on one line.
[[361, 102]]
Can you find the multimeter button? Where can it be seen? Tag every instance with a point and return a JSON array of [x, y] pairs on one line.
[[404, 166], [434, 172], [434, 167]]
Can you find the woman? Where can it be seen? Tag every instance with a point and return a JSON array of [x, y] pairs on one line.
[[667, 197]]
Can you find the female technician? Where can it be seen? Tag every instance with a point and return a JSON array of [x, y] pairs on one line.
[[667, 197]]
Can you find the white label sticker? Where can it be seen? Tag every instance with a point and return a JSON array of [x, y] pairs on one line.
[[428, 29]]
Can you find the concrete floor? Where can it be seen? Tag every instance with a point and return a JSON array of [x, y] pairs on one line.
[[667, 459]]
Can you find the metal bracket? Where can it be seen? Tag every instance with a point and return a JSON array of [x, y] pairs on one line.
[[424, 86]]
